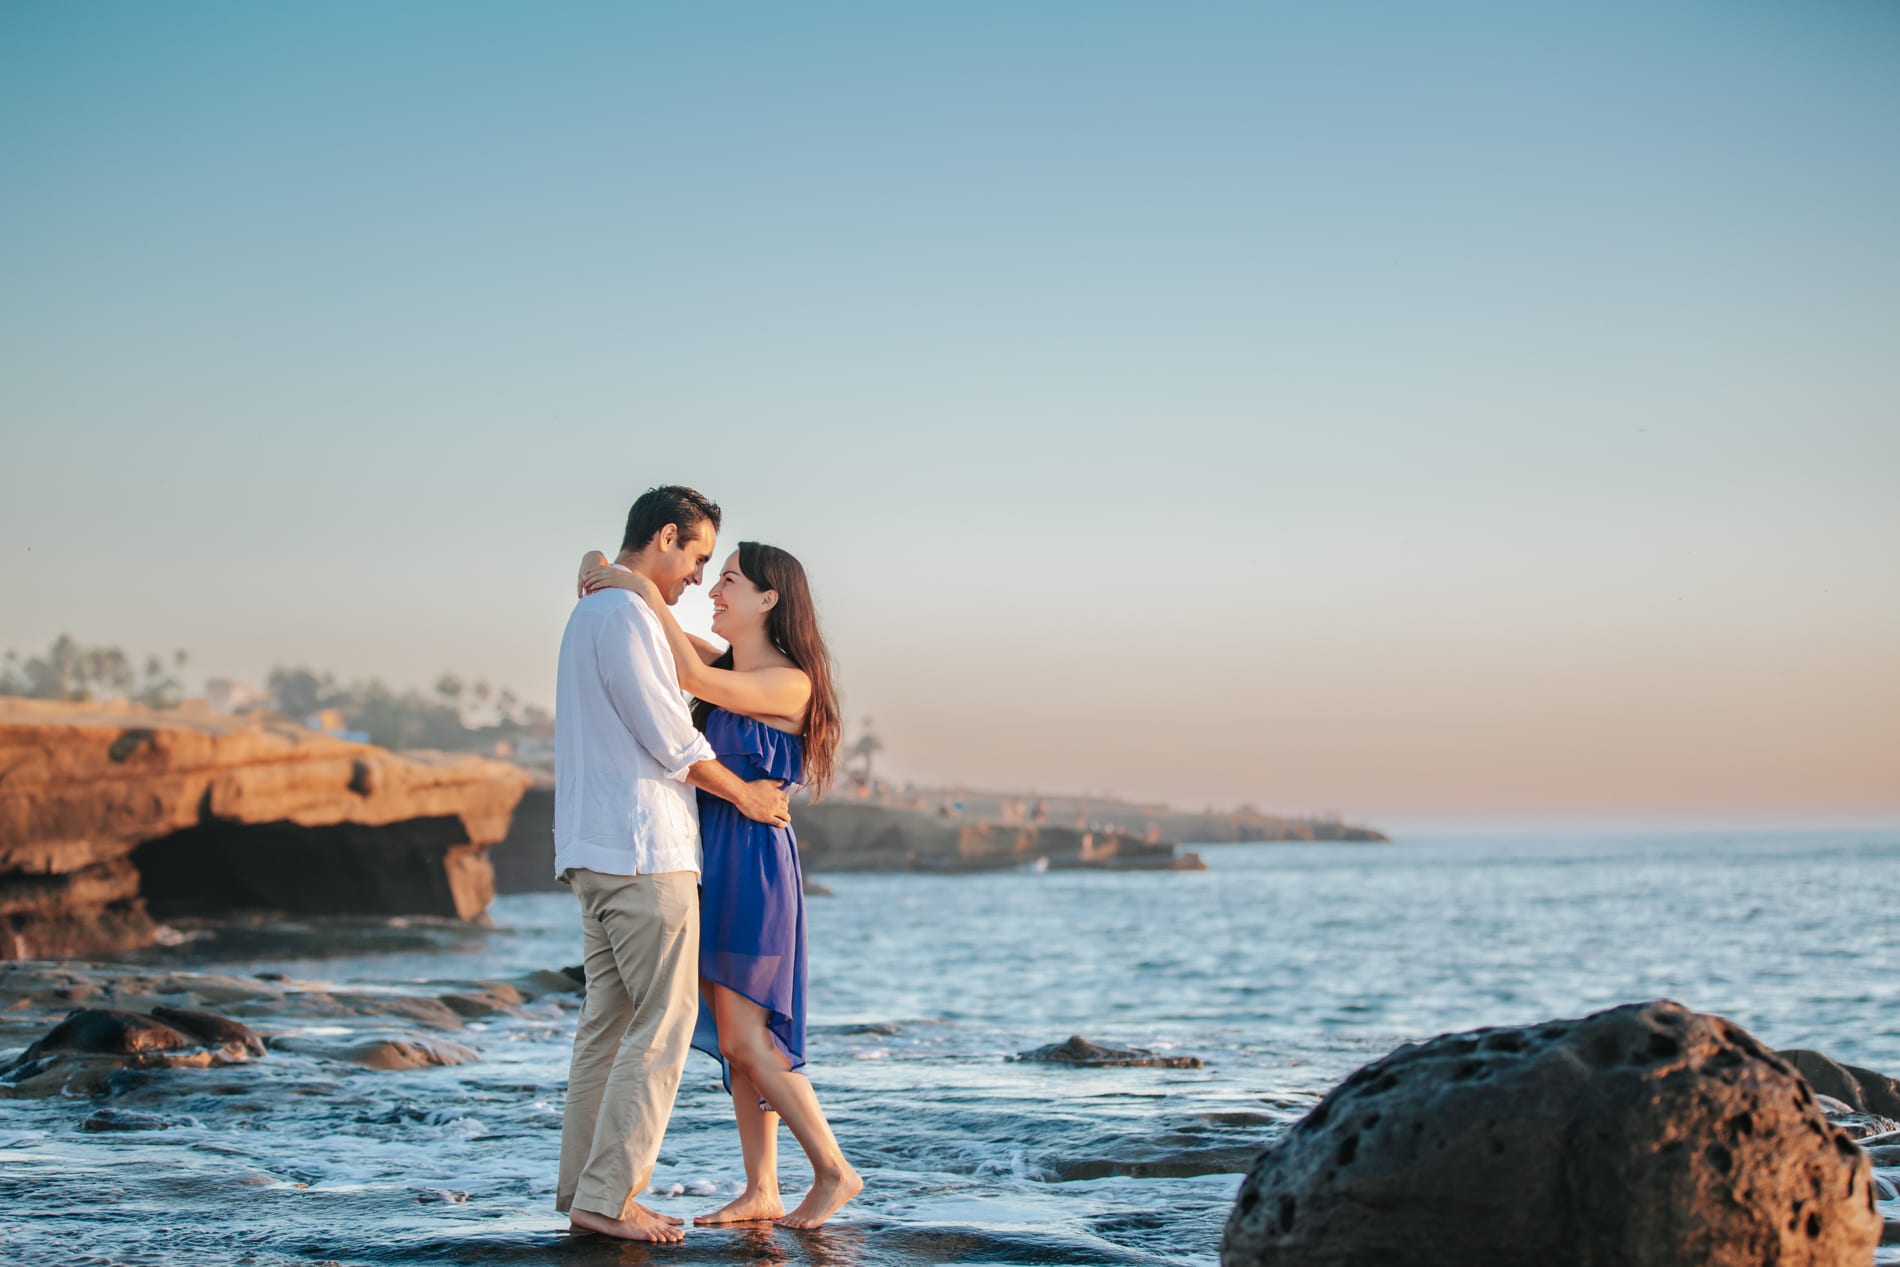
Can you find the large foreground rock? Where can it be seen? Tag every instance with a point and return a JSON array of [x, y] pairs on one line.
[[109, 817], [1641, 1136]]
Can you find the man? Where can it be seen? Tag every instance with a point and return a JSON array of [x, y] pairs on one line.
[[626, 838]]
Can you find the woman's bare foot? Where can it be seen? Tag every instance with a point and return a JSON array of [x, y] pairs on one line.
[[828, 1194], [747, 1207], [641, 1224]]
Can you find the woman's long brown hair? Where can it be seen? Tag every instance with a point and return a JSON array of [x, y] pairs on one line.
[[792, 624]]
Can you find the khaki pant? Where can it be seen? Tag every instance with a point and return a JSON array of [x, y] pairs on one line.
[[636, 1026]]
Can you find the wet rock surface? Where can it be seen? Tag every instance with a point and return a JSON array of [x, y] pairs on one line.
[[131, 1120], [212, 1030], [490, 998], [1646, 1134], [112, 819], [1862, 1090], [83, 1051], [1861, 1127], [142, 1021], [385, 1053], [1083, 1054], [1177, 1150], [105, 1032]]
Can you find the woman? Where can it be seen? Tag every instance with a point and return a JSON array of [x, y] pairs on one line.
[[769, 708]]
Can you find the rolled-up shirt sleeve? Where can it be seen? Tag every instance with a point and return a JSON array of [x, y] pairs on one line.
[[643, 686]]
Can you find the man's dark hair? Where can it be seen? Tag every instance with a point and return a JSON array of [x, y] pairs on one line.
[[675, 504]]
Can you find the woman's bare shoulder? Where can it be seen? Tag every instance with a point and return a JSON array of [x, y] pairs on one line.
[[781, 662]]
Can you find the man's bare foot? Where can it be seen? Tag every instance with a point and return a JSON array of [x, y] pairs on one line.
[[641, 1224], [747, 1207], [650, 1213], [828, 1194]]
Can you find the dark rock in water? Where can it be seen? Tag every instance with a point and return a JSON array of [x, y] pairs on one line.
[[880, 1029], [83, 1052], [576, 972], [1641, 1136], [385, 1054], [1153, 1147], [423, 1009], [1863, 1125], [127, 1120], [545, 981], [102, 1031], [1231, 1159], [212, 1030], [1862, 1089], [491, 998], [1083, 1054], [407, 1053]]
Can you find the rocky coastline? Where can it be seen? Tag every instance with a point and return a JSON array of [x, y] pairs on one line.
[[844, 835], [1210, 826], [113, 819], [1647, 1134]]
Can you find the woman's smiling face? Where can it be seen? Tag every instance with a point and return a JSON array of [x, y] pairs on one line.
[[738, 604]]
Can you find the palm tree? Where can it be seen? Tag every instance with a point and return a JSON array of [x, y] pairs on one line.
[[449, 688], [53, 677], [867, 746]]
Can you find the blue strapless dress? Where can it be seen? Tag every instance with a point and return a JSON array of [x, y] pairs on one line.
[[751, 894]]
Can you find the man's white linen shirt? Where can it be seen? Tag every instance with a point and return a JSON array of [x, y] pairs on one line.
[[623, 742]]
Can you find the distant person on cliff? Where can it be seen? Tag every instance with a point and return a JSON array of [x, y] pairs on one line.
[[769, 708], [627, 839]]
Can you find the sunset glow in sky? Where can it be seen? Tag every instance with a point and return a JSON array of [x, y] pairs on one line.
[[1451, 413]]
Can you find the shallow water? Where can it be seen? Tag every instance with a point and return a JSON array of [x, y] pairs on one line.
[[1284, 967]]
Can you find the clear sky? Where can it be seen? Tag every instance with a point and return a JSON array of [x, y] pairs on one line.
[[1451, 412]]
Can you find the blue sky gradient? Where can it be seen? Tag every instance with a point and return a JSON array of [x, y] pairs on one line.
[[1440, 413]]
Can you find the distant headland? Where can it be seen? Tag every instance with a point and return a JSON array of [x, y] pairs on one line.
[[124, 803]]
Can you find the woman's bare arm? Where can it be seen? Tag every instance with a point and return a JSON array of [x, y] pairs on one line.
[[594, 560], [776, 691], [708, 651]]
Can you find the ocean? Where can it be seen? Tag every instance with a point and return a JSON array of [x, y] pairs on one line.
[[1283, 967]]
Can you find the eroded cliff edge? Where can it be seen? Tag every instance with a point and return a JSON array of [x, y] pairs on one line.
[[112, 819]]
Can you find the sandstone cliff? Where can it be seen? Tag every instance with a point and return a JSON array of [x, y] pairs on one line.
[[112, 817]]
